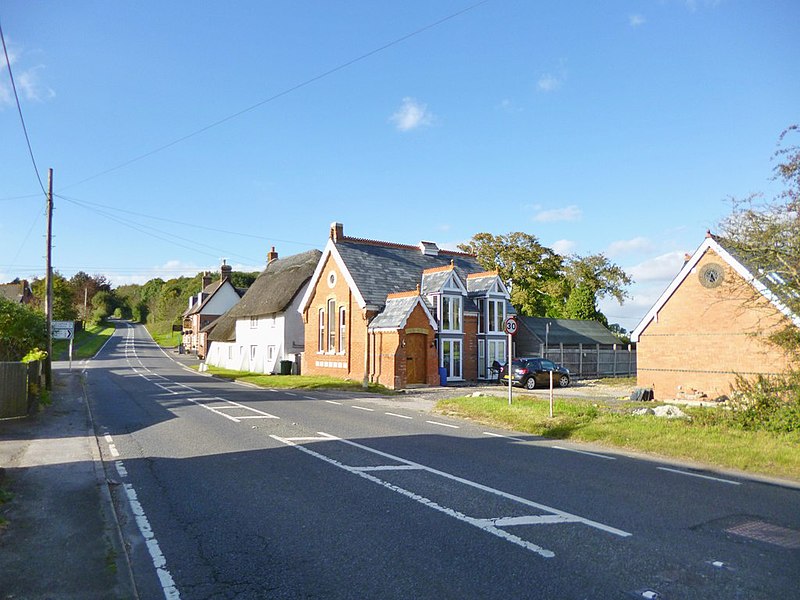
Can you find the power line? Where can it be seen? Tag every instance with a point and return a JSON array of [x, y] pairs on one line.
[[283, 93], [88, 206], [19, 110]]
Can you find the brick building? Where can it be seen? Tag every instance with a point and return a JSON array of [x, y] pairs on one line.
[[711, 324], [394, 314]]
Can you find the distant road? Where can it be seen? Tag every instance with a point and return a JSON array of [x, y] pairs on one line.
[[227, 491]]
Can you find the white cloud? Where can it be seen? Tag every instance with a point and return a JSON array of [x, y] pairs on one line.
[[28, 82], [509, 106], [661, 268], [636, 20], [564, 247], [568, 213], [549, 83], [412, 115], [637, 244]]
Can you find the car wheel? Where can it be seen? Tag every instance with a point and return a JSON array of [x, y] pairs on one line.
[[563, 381], [530, 383]]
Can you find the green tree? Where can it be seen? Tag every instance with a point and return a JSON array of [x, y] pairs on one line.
[[63, 297], [589, 279], [22, 329], [532, 271], [84, 288]]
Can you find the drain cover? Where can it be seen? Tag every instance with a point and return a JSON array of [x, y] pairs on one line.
[[767, 532]]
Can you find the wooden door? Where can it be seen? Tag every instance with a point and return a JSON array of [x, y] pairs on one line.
[[416, 358]]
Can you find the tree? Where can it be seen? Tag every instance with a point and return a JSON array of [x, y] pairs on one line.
[[22, 329], [84, 288], [63, 297], [768, 234], [531, 270], [546, 284]]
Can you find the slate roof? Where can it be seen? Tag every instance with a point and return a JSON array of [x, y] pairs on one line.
[[568, 331], [380, 268], [395, 313], [208, 291]]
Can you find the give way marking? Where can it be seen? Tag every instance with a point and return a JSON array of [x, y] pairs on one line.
[[493, 525]]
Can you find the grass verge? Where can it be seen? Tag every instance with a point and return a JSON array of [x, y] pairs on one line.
[[86, 342], [701, 438], [163, 335], [301, 382]]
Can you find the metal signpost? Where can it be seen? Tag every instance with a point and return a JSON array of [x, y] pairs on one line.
[[64, 330], [510, 327]]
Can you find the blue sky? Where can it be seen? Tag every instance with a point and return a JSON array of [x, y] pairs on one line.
[[616, 127]]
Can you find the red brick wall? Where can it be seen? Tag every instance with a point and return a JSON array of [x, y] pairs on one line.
[[704, 336]]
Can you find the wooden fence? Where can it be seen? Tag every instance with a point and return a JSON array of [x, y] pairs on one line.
[[20, 386], [588, 361]]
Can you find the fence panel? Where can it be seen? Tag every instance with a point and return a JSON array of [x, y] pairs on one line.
[[13, 389], [593, 361]]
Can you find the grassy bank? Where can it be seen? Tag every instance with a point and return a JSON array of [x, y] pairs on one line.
[[86, 342], [163, 335], [302, 382], [703, 438]]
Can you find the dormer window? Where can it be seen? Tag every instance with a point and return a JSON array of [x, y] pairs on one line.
[[497, 314]]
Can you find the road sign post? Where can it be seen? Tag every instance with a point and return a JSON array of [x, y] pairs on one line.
[[510, 327], [64, 330]]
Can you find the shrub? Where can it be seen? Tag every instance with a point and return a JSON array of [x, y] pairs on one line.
[[767, 402]]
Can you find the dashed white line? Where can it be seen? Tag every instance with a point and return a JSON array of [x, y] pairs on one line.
[[505, 437], [700, 476], [362, 408], [398, 416], [443, 424], [113, 450], [309, 397], [584, 452], [333, 402]]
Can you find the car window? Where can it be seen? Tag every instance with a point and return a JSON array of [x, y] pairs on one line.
[[548, 365]]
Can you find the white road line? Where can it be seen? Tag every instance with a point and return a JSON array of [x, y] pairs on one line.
[[399, 416], [159, 562], [333, 402], [443, 424], [362, 408], [113, 450], [309, 397], [387, 468], [505, 437], [529, 520], [109, 439], [291, 394], [584, 452], [427, 502], [121, 470], [700, 476], [485, 488]]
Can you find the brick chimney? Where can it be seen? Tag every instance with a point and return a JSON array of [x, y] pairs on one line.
[[337, 231], [225, 270], [206, 279], [272, 255]]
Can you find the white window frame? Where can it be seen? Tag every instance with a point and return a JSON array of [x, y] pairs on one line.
[[447, 359], [331, 327], [342, 330], [452, 313], [321, 332], [495, 315], [270, 353], [253, 322]]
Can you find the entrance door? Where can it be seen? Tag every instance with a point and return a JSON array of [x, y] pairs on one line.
[[416, 358]]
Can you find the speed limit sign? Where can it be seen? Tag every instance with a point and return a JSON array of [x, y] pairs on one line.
[[510, 325]]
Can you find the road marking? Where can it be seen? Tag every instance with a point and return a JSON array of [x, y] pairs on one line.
[[309, 397], [387, 468], [109, 439], [443, 424], [362, 408], [333, 402], [584, 452], [121, 470], [700, 476], [529, 520], [231, 405], [291, 394], [159, 562], [113, 450], [399, 416], [505, 437]]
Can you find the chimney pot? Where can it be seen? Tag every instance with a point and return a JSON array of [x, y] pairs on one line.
[[206, 279], [272, 255], [337, 231]]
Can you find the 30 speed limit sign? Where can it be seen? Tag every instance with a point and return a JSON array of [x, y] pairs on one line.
[[510, 325]]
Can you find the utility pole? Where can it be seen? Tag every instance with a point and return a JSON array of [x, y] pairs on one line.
[[48, 301]]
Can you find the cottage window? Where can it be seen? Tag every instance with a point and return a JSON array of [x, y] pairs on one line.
[[253, 322], [451, 358], [331, 326], [321, 345], [270, 353], [342, 330]]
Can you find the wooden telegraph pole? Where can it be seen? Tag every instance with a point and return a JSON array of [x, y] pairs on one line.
[[48, 302]]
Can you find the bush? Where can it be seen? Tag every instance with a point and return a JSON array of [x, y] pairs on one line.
[[767, 402]]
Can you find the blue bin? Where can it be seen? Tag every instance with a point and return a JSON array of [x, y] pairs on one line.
[[442, 376]]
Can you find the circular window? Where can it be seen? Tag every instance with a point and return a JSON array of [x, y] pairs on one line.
[[711, 275], [331, 279]]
